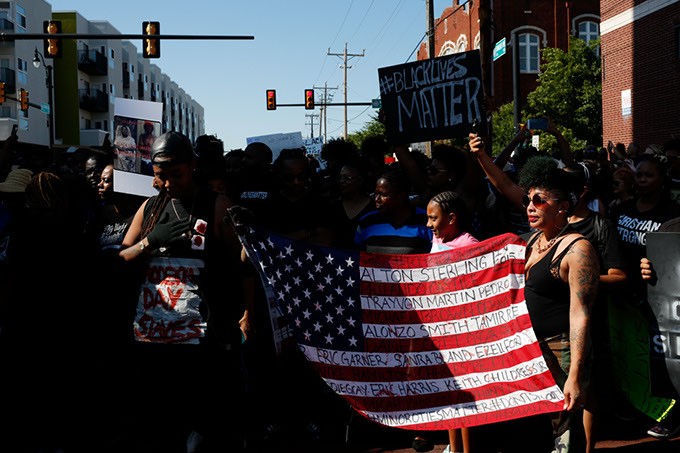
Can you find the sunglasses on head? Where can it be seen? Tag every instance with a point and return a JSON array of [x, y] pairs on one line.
[[536, 200]]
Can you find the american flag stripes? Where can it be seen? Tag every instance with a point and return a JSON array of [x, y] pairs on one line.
[[429, 342]]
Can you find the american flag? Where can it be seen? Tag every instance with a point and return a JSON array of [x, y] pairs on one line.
[[430, 342]]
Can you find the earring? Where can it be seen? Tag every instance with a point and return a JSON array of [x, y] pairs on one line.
[[566, 220]]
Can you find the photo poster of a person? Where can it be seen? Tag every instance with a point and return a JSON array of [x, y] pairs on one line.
[[125, 145], [148, 132], [136, 125]]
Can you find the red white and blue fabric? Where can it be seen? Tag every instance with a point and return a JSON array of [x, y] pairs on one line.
[[430, 341]]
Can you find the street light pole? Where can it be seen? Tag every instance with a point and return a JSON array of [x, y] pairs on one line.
[[49, 81]]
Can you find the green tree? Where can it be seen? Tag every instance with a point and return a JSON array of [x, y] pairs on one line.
[[569, 92], [370, 129], [503, 125]]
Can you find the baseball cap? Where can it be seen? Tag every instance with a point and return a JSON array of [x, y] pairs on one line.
[[172, 148]]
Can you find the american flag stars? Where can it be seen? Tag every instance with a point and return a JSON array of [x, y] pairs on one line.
[[314, 288]]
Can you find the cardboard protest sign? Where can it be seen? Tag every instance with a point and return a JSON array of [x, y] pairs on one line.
[[278, 142], [663, 296], [433, 99]]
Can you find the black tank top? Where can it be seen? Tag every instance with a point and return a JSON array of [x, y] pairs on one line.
[[547, 295]]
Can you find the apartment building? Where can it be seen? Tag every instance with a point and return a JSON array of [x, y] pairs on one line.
[[18, 72], [87, 78]]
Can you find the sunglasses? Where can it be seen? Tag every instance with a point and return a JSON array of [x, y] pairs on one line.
[[536, 200]]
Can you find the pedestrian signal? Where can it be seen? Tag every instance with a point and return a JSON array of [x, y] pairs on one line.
[[271, 99], [151, 47], [2, 92], [23, 99], [309, 99], [52, 46]]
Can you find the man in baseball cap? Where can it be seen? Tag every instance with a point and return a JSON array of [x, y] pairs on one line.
[[172, 148]]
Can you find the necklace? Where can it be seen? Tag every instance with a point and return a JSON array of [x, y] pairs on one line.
[[191, 214], [550, 243]]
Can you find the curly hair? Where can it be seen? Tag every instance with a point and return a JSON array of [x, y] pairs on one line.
[[542, 172]]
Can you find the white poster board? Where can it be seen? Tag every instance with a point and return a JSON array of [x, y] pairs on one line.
[[280, 141], [136, 126]]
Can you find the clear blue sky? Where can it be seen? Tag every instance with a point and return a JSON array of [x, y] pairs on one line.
[[289, 53]]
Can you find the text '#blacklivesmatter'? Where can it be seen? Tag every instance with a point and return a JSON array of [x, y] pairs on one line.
[[433, 341]]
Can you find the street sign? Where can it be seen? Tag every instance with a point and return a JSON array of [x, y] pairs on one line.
[[499, 49], [376, 103], [45, 108]]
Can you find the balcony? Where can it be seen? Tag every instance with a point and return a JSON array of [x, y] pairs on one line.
[[92, 62], [126, 78], [140, 88], [93, 100], [8, 76], [6, 24]]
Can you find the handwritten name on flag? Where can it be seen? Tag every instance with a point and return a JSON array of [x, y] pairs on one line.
[[432, 342]]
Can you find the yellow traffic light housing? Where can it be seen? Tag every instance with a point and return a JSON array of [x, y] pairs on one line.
[[309, 99], [23, 99], [2, 92], [151, 48], [52, 46], [271, 99]]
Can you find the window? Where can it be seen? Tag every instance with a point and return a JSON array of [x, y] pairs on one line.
[[677, 43], [529, 54], [20, 19], [22, 75], [5, 111], [88, 123], [589, 31]]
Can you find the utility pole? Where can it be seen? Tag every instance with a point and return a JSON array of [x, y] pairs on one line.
[[324, 114], [311, 116], [485, 44], [429, 16], [345, 56]]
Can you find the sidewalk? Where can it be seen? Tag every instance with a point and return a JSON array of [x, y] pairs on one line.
[[617, 437]]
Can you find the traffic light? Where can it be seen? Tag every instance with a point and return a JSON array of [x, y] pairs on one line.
[[151, 47], [309, 99], [271, 99], [23, 99], [52, 46], [2, 92]]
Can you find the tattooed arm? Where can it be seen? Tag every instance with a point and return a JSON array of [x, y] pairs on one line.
[[583, 275]]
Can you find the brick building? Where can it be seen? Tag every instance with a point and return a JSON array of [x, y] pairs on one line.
[[537, 24], [640, 71]]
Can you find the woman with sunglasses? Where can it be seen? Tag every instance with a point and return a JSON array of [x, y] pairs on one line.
[[562, 277]]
